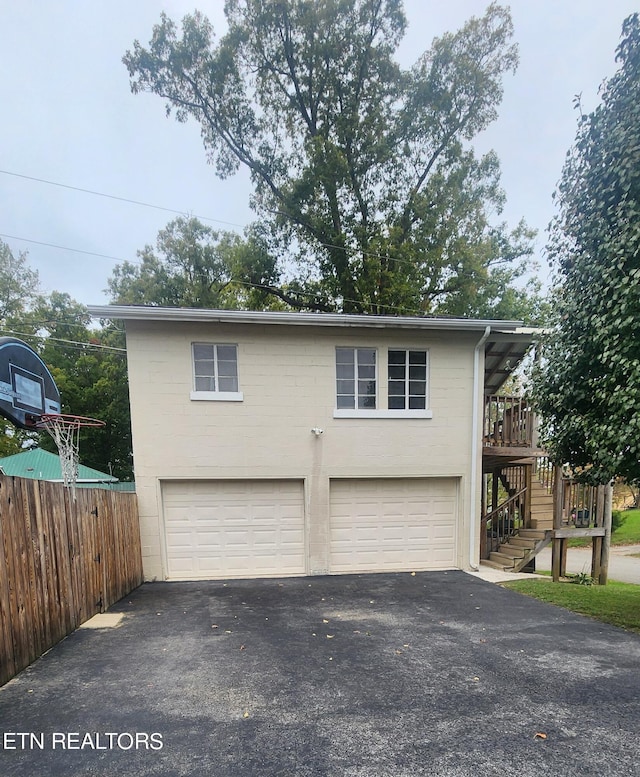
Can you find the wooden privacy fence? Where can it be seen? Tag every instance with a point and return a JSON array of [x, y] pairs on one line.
[[61, 562]]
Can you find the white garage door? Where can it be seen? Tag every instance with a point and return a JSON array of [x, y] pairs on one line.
[[393, 525], [247, 528]]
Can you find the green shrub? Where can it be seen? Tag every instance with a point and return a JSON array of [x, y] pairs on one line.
[[617, 520]]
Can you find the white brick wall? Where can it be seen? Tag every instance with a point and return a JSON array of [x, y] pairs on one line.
[[287, 376]]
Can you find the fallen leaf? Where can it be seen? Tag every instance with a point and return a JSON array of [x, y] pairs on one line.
[[413, 574], [245, 714], [214, 625], [330, 636], [324, 620], [242, 647], [540, 735], [398, 652], [476, 679]]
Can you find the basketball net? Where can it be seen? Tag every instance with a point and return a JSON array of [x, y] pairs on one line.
[[65, 431]]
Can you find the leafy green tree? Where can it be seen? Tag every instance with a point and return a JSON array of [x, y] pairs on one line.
[[19, 286], [89, 367], [588, 389], [190, 267], [369, 196]]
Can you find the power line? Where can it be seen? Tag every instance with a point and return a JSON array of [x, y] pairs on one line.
[[67, 248], [329, 246], [77, 344], [116, 197]]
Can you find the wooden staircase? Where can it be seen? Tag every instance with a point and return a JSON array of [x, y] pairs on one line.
[[525, 544], [541, 507], [518, 552]]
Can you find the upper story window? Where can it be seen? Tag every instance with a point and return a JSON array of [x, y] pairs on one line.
[[215, 372], [407, 372], [356, 378], [405, 393]]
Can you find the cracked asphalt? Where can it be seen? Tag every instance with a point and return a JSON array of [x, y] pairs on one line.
[[390, 675]]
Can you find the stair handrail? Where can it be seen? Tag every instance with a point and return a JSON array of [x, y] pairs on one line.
[[501, 534]]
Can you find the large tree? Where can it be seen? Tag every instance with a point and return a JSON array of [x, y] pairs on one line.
[[19, 288], [368, 193], [90, 369], [589, 385]]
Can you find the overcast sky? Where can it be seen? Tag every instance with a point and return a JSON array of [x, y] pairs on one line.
[[68, 117]]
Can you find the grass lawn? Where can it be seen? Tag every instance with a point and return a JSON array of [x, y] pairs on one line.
[[615, 603], [627, 534]]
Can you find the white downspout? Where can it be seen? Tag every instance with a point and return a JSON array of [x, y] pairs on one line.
[[475, 432]]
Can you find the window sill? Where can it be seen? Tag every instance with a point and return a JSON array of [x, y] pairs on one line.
[[383, 414], [217, 396]]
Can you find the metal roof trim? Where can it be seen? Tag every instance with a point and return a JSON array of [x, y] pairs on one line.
[[194, 315]]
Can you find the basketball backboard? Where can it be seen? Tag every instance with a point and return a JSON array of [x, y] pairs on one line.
[[27, 388]]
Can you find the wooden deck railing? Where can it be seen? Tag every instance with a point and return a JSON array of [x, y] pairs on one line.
[[508, 421]]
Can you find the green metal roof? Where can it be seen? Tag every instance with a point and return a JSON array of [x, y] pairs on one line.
[[42, 465]]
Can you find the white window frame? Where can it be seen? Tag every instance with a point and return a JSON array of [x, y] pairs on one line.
[[214, 396], [407, 380], [356, 412], [382, 393]]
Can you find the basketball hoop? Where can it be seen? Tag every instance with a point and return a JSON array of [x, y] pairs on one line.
[[65, 431]]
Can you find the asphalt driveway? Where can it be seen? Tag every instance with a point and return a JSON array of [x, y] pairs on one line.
[[381, 675]]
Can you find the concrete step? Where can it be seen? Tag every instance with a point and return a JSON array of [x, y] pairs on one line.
[[502, 559], [515, 551]]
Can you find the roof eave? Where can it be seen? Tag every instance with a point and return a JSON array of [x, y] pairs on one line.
[[193, 315]]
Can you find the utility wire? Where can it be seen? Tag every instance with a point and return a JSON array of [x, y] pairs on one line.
[[80, 344], [330, 246], [67, 248], [116, 197]]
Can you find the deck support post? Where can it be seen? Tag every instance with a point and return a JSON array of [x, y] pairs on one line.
[[606, 540]]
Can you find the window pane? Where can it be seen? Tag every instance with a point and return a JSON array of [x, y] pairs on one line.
[[202, 351], [368, 371], [396, 403], [396, 372], [417, 388], [417, 357], [397, 357], [227, 353], [346, 387], [418, 373], [228, 384], [346, 402], [203, 367], [344, 356], [344, 371], [204, 384], [367, 403], [227, 369], [396, 388], [417, 403], [367, 388], [366, 356]]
